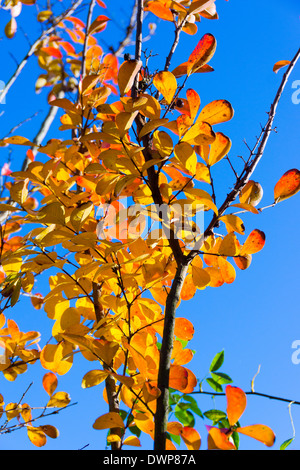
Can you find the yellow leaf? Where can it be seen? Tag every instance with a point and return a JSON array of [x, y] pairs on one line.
[[124, 122], [216, 112], [227, 270], [200, 133], [127, 73], [132, 441], [36, 436], [163, 143], [151, 125], [186, 155], [93, 377], [80, 214], [201, 278], [59, 400], [233, 223], [219, 148], [229, 245], [108, 421], [166, 84]]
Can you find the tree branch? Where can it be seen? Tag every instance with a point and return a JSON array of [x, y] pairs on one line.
[[34, 46]]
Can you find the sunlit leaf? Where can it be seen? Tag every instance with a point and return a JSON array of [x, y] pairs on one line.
[[219, 148], [166, 84], [280, 64], [287, 186], [216, 112], [36, 436], [191, 438], [127, 73], [259, 432], [203, 52], [50, 383], [236, 403], [218, 439], [254, 243], [108, 421]]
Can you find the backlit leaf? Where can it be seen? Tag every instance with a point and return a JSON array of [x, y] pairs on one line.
[[93, 377], [280, 64], [36, 436], [259, 432], [218, 439], [191, 438], [236, 403], [254, 243], [216, 112], [108, 421], [219, 148], [127, 73], [50, 383], [203, 52], [287, 186], [166, 84]]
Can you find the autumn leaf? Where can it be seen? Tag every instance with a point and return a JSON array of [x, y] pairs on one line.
[[280, 64], [236, 403], [219, 148], [108, 421], [259, 432], [251, 193], [254, 243], [166, 84], [127, 73], [190, 437], [216, 112], [36, 436], [50, 383], [287, 186], [202, 54]]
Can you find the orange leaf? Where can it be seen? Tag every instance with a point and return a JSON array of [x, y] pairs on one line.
[[36, 436], [158, 9], [216, 112], [254, 243], [52, 51], [108, 421], [178, 377], [219, 148], [193, 101], [259, 432], [280, 64], [50, 383], [218, 439], [203, 52], [227, 270], [191, 438], [184, 329], [166, 84], [236, 403], [287, 186]]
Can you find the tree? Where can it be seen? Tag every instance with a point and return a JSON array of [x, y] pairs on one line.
[[119, 212]]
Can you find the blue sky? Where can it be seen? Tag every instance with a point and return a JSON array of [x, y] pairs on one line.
[[255, 320]]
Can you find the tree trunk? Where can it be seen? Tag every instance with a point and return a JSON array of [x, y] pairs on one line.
[[162, 409]]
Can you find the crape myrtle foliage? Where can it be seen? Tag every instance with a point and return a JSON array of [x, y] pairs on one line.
[[83, 205]]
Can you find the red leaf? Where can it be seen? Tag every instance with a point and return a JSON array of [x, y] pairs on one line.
[[203, 52]]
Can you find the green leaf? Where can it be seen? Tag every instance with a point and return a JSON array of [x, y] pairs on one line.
[[193, 405], [221, 378], [184, 416], [217, 362], [236, 439], [286, 443], [214, 385], [174, 438], [215, 415]]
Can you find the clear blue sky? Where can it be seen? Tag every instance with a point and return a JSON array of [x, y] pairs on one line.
[[255, 320]]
